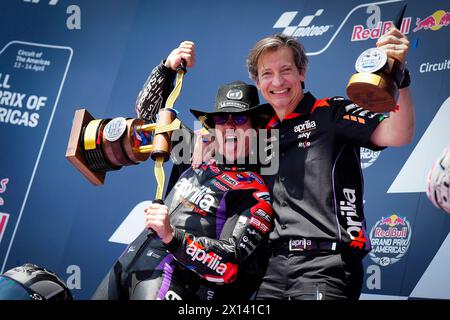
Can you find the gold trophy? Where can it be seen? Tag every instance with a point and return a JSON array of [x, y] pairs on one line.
[[375, 86], [100, 145], [97, 146]]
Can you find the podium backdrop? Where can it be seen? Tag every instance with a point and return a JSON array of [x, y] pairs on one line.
[[59, 56]]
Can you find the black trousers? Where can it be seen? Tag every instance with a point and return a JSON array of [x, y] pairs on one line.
[[312, 275]]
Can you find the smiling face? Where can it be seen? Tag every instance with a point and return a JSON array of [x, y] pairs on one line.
[[233, 140], [279, 80]]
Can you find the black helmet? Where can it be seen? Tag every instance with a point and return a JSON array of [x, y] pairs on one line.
[[30, 282]]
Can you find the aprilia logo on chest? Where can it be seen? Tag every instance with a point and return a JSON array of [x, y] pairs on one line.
[[305, 126], [199, 195], [304, 131]]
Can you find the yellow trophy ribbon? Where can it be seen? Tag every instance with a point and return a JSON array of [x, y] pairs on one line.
[[166, 123]]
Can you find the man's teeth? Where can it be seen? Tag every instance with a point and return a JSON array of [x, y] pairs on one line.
[[280, 91]]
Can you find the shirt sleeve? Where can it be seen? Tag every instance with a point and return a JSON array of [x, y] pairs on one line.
[[355, 124], [155, 92], [220, 260]]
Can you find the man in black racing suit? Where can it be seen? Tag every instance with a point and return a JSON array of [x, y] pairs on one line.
[[220, 216]]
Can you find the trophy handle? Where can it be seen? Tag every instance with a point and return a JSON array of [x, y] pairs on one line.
[[398, 21], [182, 66]]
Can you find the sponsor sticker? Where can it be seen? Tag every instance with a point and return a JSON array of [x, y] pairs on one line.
[[218, 185], [210, 259], [263, 215], [258, 224], [371, 60], [201, 196], [115, 129], [228, 180]]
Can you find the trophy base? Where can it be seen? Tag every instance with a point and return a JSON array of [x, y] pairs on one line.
[[377, 93], [75, 152]]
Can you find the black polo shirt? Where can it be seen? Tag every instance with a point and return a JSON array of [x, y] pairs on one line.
[[318, 190]]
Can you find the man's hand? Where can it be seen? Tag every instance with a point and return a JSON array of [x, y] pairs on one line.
[[157, 218], [186, 51], [395, 44], [399, 128]]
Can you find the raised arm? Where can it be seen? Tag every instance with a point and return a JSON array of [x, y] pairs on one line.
[[159, 84], [398, 129]]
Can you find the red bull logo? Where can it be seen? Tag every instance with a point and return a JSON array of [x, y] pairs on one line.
[[435, 21], [361, 33], [390, 239], [393, 221]]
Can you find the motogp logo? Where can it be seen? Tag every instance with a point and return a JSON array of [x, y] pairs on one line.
[[303, 29]]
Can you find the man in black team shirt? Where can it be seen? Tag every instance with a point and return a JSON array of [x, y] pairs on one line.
[[216, 217], [320, 238]]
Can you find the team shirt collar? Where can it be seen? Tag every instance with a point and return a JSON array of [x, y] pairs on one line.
[[304, 107]]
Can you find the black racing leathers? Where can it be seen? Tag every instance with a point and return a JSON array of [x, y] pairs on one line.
[[155, 92], [220, 217], [151, 98]]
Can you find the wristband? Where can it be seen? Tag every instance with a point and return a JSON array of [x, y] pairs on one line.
[[406, 81]]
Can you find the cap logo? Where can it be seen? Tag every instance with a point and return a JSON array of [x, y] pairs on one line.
[[235, 94], [233, 104]]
